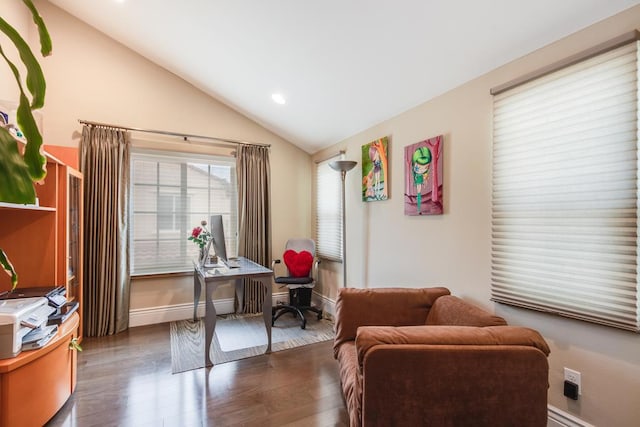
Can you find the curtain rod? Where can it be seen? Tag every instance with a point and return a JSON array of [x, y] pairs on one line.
[[184, 136]]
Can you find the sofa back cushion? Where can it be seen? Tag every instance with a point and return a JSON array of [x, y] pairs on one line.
[[452, 311], [382, 306]]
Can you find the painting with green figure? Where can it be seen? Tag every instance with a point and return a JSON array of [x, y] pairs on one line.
[[375, 177], [423, 177]]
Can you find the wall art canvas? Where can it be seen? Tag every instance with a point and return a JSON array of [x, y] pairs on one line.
[[423, 177], [375, 176]]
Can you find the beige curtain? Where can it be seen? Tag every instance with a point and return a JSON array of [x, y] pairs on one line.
[[254, 209], [104, 156]]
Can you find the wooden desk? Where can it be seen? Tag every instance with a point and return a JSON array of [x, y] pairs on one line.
[[210, 278]]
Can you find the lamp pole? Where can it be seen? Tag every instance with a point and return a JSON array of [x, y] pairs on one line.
[[343, 166]]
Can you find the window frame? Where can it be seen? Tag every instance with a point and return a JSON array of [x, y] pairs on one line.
[[187, 251]]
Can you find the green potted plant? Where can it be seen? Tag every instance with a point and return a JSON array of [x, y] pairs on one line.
[[20, 167]]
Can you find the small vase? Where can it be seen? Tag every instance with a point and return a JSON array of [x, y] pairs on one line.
[[204, 254], [202, 258]]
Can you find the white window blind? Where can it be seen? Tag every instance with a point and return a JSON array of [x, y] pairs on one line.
[[565, 192], [328, 212], [171, 193]]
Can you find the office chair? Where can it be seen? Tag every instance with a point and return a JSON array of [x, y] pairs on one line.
[[302, 270]]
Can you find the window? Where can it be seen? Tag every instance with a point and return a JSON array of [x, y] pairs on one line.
[[328, 212], [171, 193], [565, 191]]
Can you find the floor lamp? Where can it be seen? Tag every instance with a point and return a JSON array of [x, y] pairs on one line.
[[343, 166]]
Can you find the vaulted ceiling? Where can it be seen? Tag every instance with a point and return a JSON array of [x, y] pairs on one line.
[[341, 66]]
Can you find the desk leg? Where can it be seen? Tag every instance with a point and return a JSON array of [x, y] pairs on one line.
[[209, 322], [266, 310], [197, 289], [240, 295]]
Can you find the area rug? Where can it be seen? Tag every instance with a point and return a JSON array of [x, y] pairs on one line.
[[240, 336]]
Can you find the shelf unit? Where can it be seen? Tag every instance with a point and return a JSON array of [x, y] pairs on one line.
[[35, 384], [44, 244]]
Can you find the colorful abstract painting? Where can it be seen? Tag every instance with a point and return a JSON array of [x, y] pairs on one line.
[[375, 178], [423, 177]]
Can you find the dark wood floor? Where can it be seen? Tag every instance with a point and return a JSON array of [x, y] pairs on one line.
[[126, 380]]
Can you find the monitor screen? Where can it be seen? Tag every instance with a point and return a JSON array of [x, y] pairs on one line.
[[217, 234]]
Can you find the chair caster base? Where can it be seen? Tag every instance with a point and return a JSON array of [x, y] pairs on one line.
[[297, 312]]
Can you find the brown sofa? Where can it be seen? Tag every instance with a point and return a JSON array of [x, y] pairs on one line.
[[421, 357]]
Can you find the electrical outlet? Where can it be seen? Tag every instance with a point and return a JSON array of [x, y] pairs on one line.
[[574, 377]]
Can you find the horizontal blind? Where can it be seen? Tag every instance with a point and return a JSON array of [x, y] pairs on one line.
[[171, 193], [565, 192], [328, 212]]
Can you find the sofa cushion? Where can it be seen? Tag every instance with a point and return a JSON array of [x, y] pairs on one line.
[[371, 336], [382, 306], [453, 311]]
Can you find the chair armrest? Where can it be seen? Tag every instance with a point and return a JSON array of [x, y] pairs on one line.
[[273, 266], [314, 270]]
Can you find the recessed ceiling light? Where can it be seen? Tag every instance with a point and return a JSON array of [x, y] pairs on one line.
[[278, 98]]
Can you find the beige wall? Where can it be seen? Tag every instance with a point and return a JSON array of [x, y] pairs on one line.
[[16, 14], [387, 248], [92, 77]]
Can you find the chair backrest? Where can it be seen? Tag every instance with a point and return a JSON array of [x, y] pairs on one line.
[[299, 245], [302, 245]]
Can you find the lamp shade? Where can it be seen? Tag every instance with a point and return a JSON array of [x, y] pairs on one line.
[[342, 165]]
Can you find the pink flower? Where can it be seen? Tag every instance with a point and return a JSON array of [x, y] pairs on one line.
[[196, 232]]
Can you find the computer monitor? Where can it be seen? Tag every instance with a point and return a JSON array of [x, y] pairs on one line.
[[217, 234]]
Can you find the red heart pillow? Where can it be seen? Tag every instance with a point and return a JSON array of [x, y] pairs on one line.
[[299, 264]]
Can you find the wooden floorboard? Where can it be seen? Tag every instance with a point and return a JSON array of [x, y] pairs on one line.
[[126, 380]]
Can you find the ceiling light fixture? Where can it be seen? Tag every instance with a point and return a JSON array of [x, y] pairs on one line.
[[278, 98]]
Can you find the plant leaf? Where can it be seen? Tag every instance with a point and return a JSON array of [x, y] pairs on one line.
[[45, 39], [17, 185], [35, 78], [8, 268], [33, 157]]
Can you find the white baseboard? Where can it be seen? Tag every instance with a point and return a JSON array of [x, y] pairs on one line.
[[560, 418], [328, 305], [171, 313]]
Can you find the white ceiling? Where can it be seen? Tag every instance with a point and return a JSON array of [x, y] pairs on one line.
[[342, 65]]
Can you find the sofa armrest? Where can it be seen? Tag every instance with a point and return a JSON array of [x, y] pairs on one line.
[[381, 306], [453, 311], [371, 336]]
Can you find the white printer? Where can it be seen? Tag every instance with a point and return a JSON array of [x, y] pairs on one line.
[[18, 317]]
